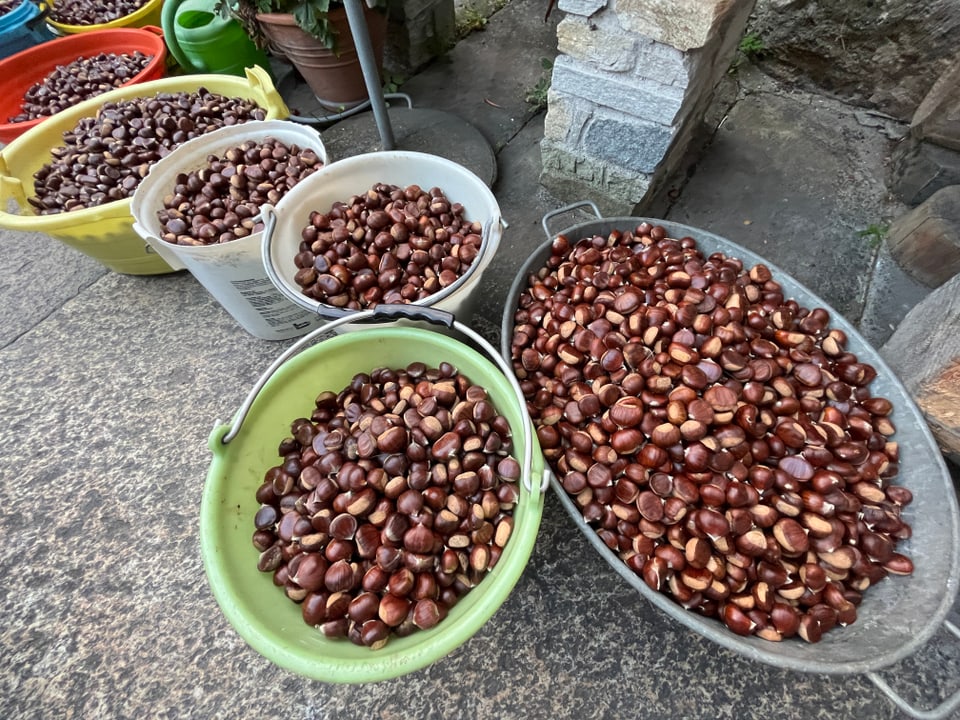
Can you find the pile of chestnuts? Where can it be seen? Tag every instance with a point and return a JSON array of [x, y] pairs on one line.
[[105, 157], [220, 201], [390, 245], [92, 12], [391, 502], [79, 80]]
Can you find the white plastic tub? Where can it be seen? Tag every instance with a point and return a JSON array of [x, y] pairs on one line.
[[355, 176], [232, 272]]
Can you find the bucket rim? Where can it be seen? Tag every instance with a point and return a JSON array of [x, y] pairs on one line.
[[128, 20], [147, 39], [257, 86], [18, 15], [192, 155]]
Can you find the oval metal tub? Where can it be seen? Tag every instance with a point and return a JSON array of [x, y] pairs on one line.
[[899, 615]]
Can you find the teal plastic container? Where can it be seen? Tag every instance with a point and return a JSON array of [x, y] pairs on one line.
[[203, 41], [22, 28]]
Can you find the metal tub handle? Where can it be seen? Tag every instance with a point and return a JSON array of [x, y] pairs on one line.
[[404, 312], [935, 713], [547, 217]]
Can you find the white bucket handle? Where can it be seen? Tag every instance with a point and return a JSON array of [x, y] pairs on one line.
[[405, 312]]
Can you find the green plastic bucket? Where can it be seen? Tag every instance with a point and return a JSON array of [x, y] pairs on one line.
[[243, 450]]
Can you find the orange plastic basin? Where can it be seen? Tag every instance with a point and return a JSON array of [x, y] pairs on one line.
[[19, 72]]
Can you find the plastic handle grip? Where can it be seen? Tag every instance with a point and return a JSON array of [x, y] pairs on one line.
[[260, 81], [413, 312], [10, 187]]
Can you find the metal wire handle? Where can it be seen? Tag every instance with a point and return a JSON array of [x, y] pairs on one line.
[[268, 216], [403, 312], [936, 713], [547, 217]]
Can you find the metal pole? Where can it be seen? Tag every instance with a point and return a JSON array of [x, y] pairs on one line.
[[368, 63]]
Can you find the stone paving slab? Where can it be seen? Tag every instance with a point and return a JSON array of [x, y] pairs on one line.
[[112, 384], [37, 275]]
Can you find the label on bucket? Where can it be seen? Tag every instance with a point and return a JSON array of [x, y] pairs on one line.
[[275, 309]]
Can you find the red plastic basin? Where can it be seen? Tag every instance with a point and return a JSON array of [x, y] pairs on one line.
[[18, 73]]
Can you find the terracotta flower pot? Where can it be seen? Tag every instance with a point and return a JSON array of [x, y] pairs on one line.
[[334, 76]]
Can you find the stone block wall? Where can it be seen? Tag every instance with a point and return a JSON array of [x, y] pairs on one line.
[[632, 81]]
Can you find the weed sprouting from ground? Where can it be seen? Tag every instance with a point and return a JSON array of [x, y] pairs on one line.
[[874, 233], [537, 95], [751, 48], [470, 20], [392, 83]]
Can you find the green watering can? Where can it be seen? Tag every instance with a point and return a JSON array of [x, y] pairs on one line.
[[203, 41]]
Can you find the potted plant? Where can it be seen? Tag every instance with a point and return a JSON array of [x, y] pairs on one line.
[[315, 37]]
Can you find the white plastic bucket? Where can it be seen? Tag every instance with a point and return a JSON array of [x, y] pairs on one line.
[[232, 272], [355, 176]]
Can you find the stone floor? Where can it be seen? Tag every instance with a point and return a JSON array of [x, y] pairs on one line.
[[112, 384]]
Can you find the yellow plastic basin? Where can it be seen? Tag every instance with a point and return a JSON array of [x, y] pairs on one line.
[[105, 232], [149, 14]]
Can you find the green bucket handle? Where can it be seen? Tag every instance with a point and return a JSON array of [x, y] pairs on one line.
[[404, 312]]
